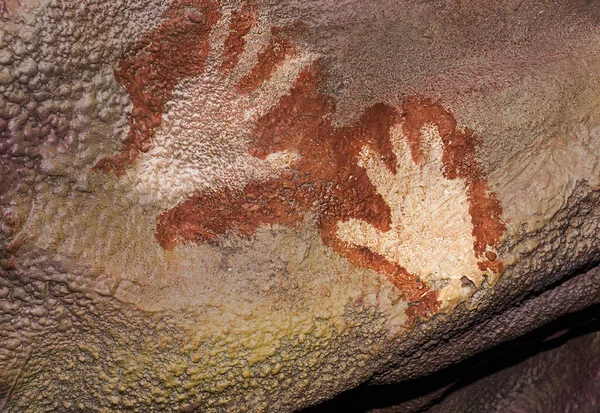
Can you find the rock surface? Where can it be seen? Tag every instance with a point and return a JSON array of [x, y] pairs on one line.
[[217, 205]]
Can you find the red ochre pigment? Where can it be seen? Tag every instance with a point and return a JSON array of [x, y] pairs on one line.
[[176, 49], [325, 181], [460, 162], [241, 23]]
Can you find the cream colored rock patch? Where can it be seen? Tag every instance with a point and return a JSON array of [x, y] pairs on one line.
[[431, 233]]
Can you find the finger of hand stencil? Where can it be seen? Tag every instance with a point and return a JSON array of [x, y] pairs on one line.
[[377, 171], [272, 55], [241, 22]]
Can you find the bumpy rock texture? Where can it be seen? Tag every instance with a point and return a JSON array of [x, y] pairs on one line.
[[221, 205]]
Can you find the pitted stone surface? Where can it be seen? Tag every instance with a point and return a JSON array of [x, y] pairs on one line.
[[280, 219]]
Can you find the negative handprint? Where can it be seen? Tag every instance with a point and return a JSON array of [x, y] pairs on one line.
[[392, 192], [430, 234], [197, 84]]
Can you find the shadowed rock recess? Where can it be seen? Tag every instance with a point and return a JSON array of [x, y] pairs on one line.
[[278, 206]]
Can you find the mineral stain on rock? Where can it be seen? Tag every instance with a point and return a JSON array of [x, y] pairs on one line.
[[327, 181], [241, 23], [175, 50]]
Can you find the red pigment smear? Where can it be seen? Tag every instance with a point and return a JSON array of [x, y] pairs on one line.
[[460, 163], [242, 22], [326, 181], [176, 49], [272, 56], [427, 306]]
